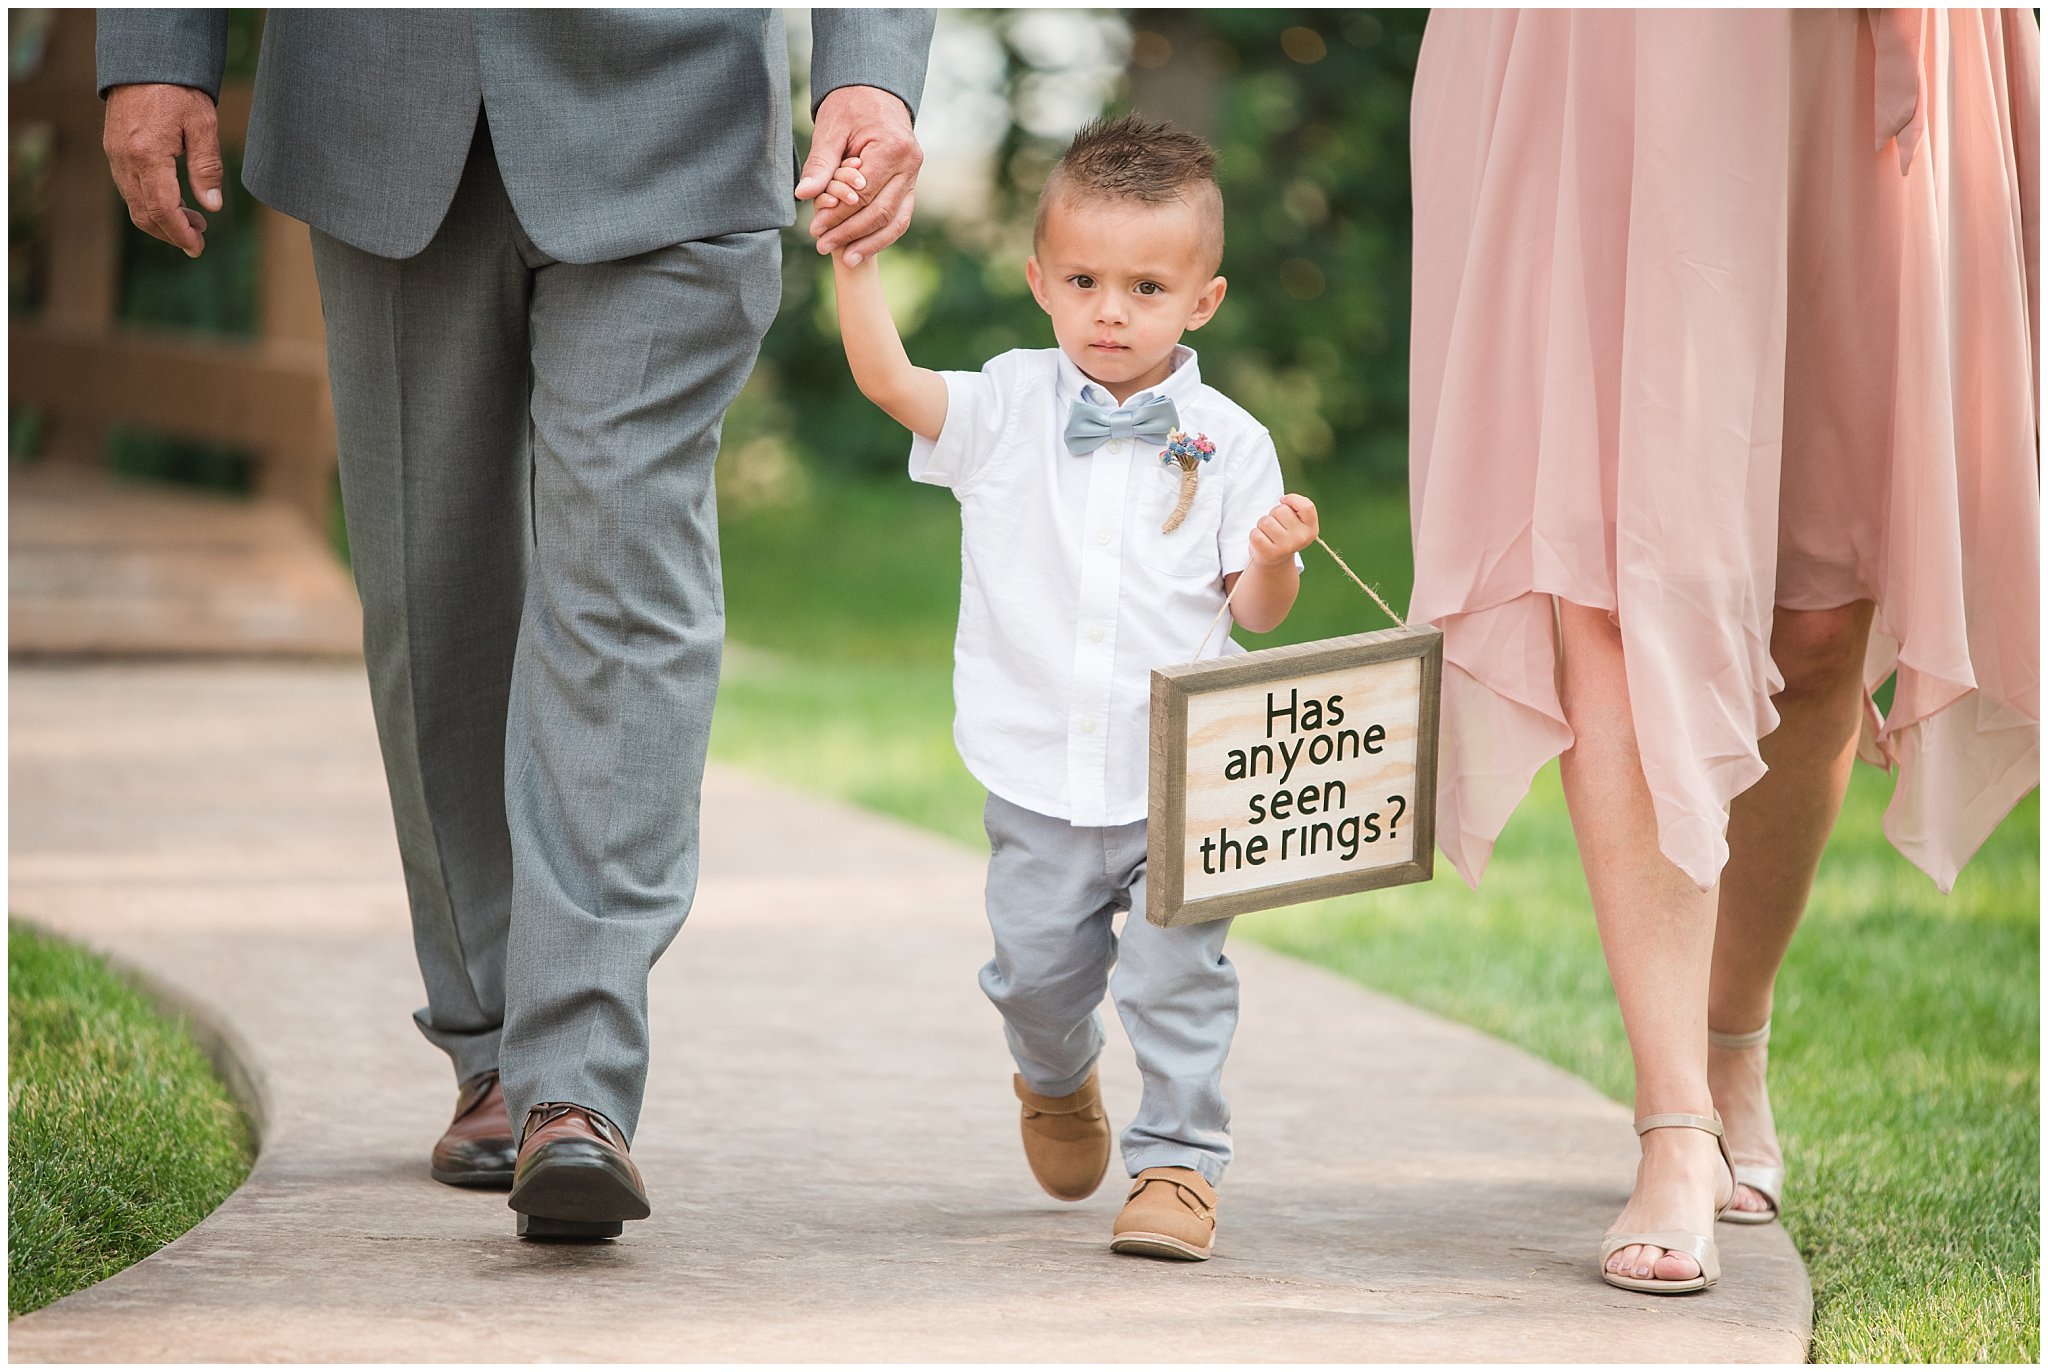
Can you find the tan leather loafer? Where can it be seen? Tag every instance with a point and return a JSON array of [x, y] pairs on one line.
[[1171, 1213], [1066, 1139], [477, 1149]]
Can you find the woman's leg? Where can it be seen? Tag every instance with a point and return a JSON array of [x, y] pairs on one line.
[[1658, 932], [1776, 830]]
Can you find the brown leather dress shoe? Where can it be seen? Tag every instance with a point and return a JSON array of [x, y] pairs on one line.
[[573, 1179], [477, 1150]]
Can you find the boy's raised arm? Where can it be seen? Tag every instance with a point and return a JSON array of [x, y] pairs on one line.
[[913, 396]]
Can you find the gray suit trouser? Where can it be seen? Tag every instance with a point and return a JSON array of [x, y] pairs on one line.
[[527, 448]]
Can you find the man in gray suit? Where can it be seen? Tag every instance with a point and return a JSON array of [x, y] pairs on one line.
[[548, 248]]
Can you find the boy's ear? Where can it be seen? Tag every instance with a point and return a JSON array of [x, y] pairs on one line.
[[1206, 304], [1036, 277]]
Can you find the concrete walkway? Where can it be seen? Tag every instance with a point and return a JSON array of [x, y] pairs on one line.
[[829, 1139]]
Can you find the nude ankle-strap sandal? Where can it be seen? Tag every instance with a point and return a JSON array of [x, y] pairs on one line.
[[1699, 1247], [1767, 1180]]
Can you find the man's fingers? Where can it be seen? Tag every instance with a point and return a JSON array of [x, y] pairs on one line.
[[874, 188], [182, 228], [161, 214], [885, 203], [865, 248], [850, 223], [203, 165], [825, 218], [828, 149]]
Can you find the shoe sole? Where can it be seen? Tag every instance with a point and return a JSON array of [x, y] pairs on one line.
[[1650, 1286], [480, 1181], [1750, 1216], [575, 1200], [1146, 1245], [557, 1231], [1093, 1186]]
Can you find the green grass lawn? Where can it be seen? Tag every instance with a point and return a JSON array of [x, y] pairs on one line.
[[119, 1136], [1905, 1053]]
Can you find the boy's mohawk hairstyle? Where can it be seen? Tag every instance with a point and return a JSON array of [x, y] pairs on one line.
[[1136, 158], [1131, 157]]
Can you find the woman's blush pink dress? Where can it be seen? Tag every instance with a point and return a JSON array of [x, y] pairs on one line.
[[1717, 311]]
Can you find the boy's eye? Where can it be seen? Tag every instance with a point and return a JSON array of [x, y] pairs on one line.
[[1086, 283], [1149, 288]]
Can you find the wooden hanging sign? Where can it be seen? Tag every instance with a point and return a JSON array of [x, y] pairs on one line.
[[1293, 774]]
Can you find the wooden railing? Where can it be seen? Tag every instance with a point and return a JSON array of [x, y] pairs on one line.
[[84, 370]]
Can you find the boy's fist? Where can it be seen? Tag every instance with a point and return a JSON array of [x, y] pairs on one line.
[[1285, 530]]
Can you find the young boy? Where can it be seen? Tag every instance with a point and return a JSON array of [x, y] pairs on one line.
[[1083, 568]]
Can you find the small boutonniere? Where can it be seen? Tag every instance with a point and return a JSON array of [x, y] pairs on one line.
[[1189, 452]]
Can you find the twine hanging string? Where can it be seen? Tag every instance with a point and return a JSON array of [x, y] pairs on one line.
[[1224, 608]]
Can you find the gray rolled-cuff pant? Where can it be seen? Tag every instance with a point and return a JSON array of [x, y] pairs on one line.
[[527, 448], [1053, 891]]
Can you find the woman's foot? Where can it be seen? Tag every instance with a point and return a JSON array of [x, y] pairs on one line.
[[1735, 1074], [1680, 1184]]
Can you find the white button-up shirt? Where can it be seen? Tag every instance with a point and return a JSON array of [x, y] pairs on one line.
[[1070, 593]]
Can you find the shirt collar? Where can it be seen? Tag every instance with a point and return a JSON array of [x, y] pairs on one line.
[[1178, 385]]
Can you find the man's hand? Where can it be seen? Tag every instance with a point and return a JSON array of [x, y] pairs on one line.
[[1285, 531], [872, 125], [148, 128]]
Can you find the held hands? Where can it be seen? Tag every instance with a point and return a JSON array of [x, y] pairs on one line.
[[149, 126], [1288, 528], [844, 187], [870, 128]]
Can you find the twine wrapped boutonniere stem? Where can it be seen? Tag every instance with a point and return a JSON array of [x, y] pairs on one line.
[[1188, 452]]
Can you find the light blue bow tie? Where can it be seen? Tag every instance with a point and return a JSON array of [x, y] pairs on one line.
[[1089, 425]]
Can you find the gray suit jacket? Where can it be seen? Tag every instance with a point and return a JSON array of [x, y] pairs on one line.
[[616, 131]]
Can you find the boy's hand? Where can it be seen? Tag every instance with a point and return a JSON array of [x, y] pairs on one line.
[[844, 186], [1285, 530]]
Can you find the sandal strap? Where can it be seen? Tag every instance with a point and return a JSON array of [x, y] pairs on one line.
[[1748, 1040], [1699, 1247], [1768, 1182], [1710, 1123]]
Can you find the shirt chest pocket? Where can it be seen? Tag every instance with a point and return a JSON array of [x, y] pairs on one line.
[[1190, 550]]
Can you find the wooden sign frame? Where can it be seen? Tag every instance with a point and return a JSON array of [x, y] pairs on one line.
[[1166, 832]]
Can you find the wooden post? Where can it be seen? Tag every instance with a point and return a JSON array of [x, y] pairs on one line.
[[290, 324], [83, 235]]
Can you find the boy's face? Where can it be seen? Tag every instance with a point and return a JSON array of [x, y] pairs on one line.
[[1122, 281]]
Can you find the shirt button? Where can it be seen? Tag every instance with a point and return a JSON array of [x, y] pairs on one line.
[[1095, 635], [1116, 446], [1102, 535], [1087, 726]]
